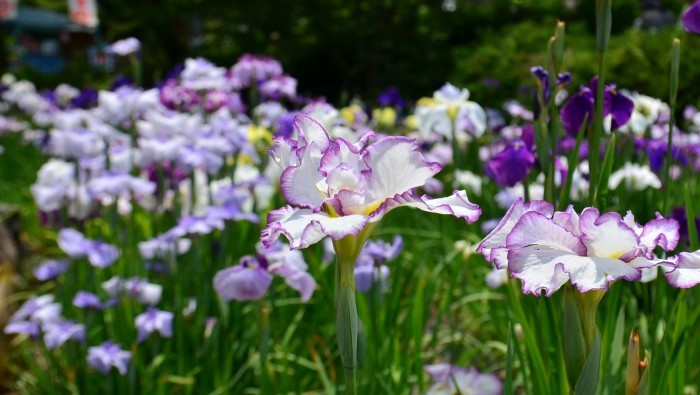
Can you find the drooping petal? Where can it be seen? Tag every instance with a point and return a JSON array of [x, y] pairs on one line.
[[543, 268], [303, 227], [456, 205], [578, 107], [660, 232], [686, 272], [621, 108], [493, 245], [297, 279], [242, 282], [311, 131], [396, 166]]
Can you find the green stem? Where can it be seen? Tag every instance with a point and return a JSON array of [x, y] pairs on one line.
[[675, 64], [347, 323], [455, 151]]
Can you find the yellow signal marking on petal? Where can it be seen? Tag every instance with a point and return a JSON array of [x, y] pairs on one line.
[[258, 133], [427, 102], [372, 207]]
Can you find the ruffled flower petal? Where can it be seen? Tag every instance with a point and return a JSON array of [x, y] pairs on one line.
[[686, 271], [304, 227], [456, 205], [492, 247], [396, 166]]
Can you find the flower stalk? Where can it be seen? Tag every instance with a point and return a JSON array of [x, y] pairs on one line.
[[581, 340], [673, 94], [603, 23]]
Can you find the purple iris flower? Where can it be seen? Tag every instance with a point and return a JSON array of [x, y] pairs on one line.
[[680, 215], [74, 244], [119, 81], [370, 268], [691, 18], [542, 76], [656, 151], [284, 125], [582, 105], [56, 334], [108, 355], [50, 270], [86, 99], [391, 97], [154, 320], [511, 165]]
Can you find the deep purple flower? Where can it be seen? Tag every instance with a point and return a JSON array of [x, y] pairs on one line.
[[121, 80], [582, 105], [656, 151], [680, 215], [284, 125], [56, 334], [108, 355], [391, 97], [154, 320], [542, 76], [86, 99], [50, 270], [511, 165], [691, 18]]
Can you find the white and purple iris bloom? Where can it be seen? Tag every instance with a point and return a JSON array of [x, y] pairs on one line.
[[252, 277], [75, 244], [616, 107], [546, 249], [341, 188], [125, 46], [450, 380]]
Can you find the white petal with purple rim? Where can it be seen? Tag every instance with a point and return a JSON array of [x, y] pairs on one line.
[[686, 273], [397, 166], [456, 204], [303, 227]]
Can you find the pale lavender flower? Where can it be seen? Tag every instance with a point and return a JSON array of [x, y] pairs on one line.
[[55, 334], [50, 270], [39, 309], [251, 278], [75, 244], [28, 328], [87, 300], [164, 246], [125, 47], [345, 188], [450, 380], [369, 266], [200, 74], [108, 355], [136, 288], [283, 86], [154, 320]]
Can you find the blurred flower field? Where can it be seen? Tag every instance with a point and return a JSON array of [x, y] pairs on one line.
[[221, 233]]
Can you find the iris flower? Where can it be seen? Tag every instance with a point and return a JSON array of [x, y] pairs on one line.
[[546, 249], [342, 189], [691, 18], [582, 105]]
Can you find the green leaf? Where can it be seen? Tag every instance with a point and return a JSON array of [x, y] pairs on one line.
[[690, 217], [508, 383], [587, 382], [602, 193]]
